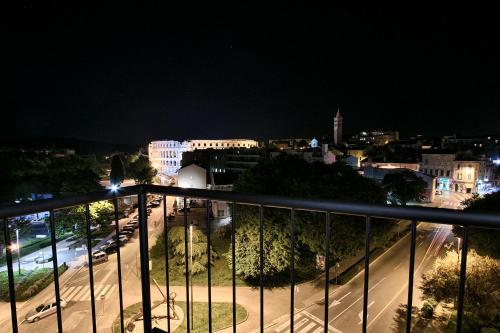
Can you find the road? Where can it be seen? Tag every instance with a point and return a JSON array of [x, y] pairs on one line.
[[388, 284], [388, 287]]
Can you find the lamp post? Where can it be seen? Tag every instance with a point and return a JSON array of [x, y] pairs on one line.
[[16, 246], [191, 271]]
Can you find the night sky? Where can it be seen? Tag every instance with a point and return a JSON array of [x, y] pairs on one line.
[[135, 73]]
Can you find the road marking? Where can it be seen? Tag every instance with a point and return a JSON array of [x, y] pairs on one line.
[[105, 290], [405, 286], [397, 266], [321, 322], [360, 314], [66, 292], [73, 293], [307, 328], [340, 314], [422, 242], [286, 324], [337, 302], [110, 291]]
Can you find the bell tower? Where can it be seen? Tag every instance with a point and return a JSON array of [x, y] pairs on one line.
[[337, 128]]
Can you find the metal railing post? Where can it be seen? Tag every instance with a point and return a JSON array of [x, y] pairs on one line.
[[410, 275], [209, 255], [233, 262], [119, 264], [367, 268], [186, 258], [165, 240], [144, 252], [463, 276], [261, 266], [91, 267], [327, 268], [10, 273], [56, 270], [292, 268]]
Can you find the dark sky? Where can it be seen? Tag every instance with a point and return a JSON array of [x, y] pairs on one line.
[[134, 73]]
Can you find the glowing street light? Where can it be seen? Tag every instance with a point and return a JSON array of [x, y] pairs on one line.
[[18, 248], [114, 187]]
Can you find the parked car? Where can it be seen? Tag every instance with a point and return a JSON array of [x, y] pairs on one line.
[[99, 257], [154, 203], [42, 260], [439, 192], [128, 229], [123, 238], [109, 247], [43, 310], [134, 224], [127, 233], [182, 209]]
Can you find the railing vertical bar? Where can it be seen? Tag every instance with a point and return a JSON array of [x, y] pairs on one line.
[[10, 272], [327, 268], [119, 264], [461, 286], [144, 256], [261, 265], [410, 275], [56, 270], [292, 268], [233, 259], [91, 266], [209, 269], [188, 315], [167, 275], [367, 266]]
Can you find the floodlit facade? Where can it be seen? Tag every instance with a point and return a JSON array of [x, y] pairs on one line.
[[458, 175], [166, 155]]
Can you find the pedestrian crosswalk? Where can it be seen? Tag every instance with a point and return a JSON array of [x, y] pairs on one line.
[[82, 293], [304, 322]]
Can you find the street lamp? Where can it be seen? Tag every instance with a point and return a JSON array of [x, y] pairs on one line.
[[17, 247]]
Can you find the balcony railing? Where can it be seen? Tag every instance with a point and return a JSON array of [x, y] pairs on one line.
[[328, 207]]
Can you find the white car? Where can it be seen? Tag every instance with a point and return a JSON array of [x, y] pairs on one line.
[[43, 310]]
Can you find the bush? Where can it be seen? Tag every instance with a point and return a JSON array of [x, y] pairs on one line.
[[428, 308]]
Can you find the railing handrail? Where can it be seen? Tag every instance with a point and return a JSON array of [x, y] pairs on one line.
[[437, 215]]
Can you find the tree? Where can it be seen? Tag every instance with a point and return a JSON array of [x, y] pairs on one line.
[[72, 175], [484, 241], [117, 174], [141, 170], [291, 176], [482, 285], [276, 248], [177, 250], [73, 219], [403, 186]]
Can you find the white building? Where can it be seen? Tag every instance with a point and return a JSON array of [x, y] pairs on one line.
[[465, 175], [193, 176], [166, 155]]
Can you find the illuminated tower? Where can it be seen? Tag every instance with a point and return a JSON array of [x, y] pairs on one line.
[[337, 128]]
